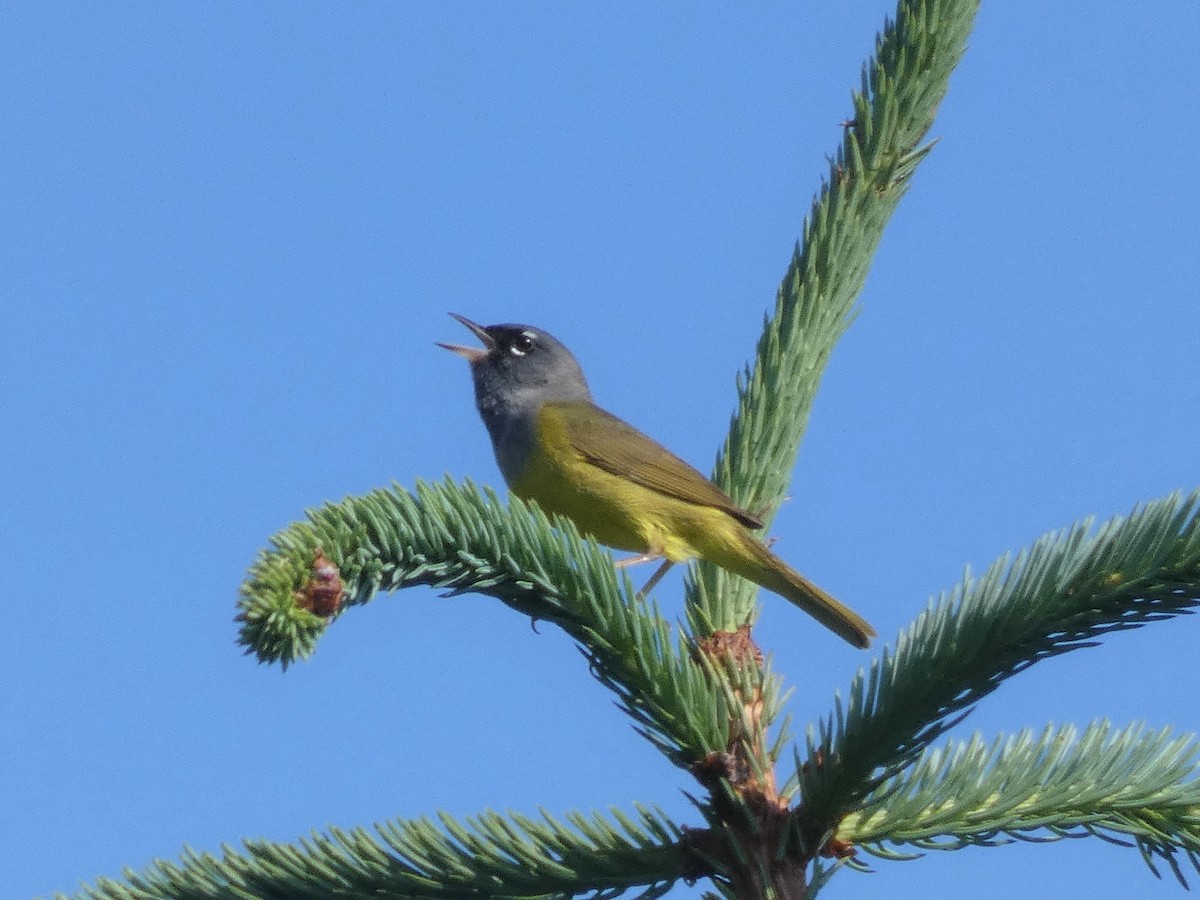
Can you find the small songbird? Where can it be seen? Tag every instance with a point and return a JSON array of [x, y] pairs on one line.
[[559, 449]]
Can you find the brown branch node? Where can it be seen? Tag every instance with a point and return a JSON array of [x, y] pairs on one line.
[[736, 646], [322, 593]]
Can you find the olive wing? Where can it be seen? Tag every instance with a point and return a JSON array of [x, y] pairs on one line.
[[606, 442]]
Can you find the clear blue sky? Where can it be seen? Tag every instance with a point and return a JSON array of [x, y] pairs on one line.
[[231, 236]]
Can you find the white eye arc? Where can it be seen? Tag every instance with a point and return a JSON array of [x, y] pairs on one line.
[[523, 344]]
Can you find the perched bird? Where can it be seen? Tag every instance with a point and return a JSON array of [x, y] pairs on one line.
[[559, 449]]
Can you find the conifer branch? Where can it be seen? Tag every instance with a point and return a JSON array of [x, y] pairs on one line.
[[708, 703], [1065, 592], [881, 148], [489, 856], [1132, 787], [456, 537]]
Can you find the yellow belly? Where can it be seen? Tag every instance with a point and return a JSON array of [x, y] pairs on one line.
[[628, 515], [613, 510]]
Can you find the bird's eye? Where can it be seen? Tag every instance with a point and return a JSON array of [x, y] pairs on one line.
[[521, 344]]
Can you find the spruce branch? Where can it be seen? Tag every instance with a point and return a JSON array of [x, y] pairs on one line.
[[708, 703], [488, 856], [454, 536], [1133, 787], [902, 85], [1064, 592]]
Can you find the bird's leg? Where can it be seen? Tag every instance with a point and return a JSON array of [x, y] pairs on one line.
[[656, 577], [649, 556]]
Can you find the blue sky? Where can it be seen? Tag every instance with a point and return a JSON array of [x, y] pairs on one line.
[[233, 232]]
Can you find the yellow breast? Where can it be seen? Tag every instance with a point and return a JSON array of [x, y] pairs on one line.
[[615, 511]]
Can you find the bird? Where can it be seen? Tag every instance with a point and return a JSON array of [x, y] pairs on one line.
[[556, 447]]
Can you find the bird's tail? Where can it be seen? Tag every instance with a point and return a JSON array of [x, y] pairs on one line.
[[764, 568]]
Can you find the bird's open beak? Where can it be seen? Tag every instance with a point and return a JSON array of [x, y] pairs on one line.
[[471, 354]]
